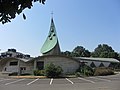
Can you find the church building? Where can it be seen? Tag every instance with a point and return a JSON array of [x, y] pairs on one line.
[[52, 54], [15, 62]]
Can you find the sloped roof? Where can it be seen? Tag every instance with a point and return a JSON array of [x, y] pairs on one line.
[[9, 58], [59, 56], [51, 40], [97, 59]]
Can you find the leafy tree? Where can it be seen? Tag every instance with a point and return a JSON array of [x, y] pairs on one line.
[[104, 51], [113, 55], [52, 70], [80, 51], [104, 54], [9, 8], [66, 53], [119, 57]]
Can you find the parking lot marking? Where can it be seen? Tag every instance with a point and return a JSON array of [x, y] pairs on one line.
[[14, 81], [101, 79], [33, 81], [5, 80], [51, 81], [86, 80], [69, 80]]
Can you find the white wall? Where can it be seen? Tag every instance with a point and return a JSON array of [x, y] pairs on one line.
[[29, 67], [97, 63], [10, 68], [68, 65]]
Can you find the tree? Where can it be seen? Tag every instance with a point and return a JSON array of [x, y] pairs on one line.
[[80, 51], [104, 51], [119, 57], [9, 8], [66, 53]]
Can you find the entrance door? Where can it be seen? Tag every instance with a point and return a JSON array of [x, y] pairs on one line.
[[40, 65]]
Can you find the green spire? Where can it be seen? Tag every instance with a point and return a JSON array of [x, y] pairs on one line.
[[51, 41]]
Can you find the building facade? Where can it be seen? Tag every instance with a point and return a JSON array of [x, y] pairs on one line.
[[18, 63], [13, 62]]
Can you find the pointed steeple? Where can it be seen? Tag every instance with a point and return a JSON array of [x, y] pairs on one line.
[[51, 45]]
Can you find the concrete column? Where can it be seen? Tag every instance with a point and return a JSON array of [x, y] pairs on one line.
[[19, 67], [35, 61]]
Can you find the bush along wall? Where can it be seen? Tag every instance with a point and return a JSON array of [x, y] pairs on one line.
[[102, 71], [84, 70], [53, 71], [50, 70], [39, 72]]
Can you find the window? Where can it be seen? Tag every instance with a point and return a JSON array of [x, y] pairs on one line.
[[23, 68], [40, 65], [13, 63], [92, 65], [5, 69], [101, 65]]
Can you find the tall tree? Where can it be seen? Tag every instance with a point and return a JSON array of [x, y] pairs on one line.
[[80, 51], [104, 51], [66, 53], [9, 8]]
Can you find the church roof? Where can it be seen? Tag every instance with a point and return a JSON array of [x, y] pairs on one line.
[[98, 59], [51, 40]]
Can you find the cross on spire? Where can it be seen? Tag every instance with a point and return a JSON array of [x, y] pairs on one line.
[[52, 14]]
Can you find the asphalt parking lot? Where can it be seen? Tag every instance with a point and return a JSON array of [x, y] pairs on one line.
[[87, 83]]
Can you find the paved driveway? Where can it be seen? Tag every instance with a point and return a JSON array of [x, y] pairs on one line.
[[88, 83]]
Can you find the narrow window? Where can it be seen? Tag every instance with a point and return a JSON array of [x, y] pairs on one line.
[[101, 65], [13, 63], [5, 69], [92, 65]]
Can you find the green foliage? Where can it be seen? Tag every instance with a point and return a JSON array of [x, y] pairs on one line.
[[52, 70], [66, 53], [9, 8], [39, 72], [119, 57], [78, 51], [85, 70], [102, 71], [104, 51]]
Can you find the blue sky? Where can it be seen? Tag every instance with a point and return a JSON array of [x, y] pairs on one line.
[[78, 22]]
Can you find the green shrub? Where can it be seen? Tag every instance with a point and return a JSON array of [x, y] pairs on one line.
[[85, 71], [52, 70], [103, 71], [39, 72]]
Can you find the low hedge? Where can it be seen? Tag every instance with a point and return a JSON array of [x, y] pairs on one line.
[[103, 71], [39, 72]]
